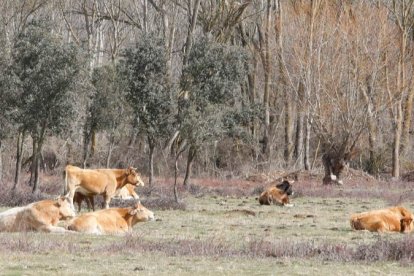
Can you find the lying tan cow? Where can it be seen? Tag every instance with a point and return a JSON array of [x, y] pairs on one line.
[[39, 216], [99, 181], [125, 193], [278, 194], [111, 221], [393, 219]]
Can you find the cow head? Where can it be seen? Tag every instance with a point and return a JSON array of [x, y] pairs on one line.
[[65, 209], [140, 213], [286, 187], [133, 177], [406, 225]]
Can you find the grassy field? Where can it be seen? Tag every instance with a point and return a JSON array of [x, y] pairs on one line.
[[221, 234]]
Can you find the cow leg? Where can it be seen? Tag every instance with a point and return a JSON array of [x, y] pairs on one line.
[[286, 203], [52, 229], [88, 202], [326, 160], [92, 202], [79, 203], [107, 199], [337, 174], [70, 196]]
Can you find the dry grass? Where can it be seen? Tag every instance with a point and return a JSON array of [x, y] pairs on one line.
[[223, 230]]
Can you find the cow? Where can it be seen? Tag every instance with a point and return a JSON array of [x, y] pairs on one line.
[[111, 221], [393, 219], [125, 193], [278, 194], [99, 181], [334, 163], [42, 216], [79, 198]]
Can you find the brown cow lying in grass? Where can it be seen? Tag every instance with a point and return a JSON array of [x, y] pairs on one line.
[[393, 219], [111, 221], [278, 194], [125, 193], [38, 216]]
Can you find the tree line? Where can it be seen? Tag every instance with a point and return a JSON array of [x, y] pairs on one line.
[[230, 86]]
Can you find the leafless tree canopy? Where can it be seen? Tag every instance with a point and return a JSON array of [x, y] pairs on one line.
[[324, 78]]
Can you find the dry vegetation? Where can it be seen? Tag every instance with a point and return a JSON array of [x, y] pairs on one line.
[[220, 228]]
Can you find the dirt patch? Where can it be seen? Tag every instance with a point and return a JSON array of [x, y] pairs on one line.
[[242, 211], [302, 216]]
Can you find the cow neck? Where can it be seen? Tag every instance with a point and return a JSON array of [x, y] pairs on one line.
[[121, 180], [128, 217]]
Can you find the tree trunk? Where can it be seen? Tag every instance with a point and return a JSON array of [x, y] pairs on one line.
[[110, 149], [191, 154], [33, 164], [179, 148], [193, 21], [19, 153], [175, 177], [396, 142], [93, 142], [151, 145], [371, 147], [306, 157], [86, 141], [287, 153], [1, 163], [288, 129], [372, 169], [39, 140], [251, 77], [405, 139], [300, 126], [267, 82], [408, 107], [34, 174], [145, 15], [315, 5]]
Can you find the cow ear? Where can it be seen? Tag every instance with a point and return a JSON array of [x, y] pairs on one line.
[[60, 200], [131, 170], [133, 212]]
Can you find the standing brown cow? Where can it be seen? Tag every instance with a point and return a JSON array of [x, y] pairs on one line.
[[125, 193], [99, 181]]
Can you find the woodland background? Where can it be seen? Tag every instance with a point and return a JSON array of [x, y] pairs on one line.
[[216, 88]]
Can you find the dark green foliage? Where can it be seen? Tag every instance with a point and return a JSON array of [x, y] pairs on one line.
[[149, 91], [45, 71], [108, 109], [211, 82], [238, 121], [6, 104]]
